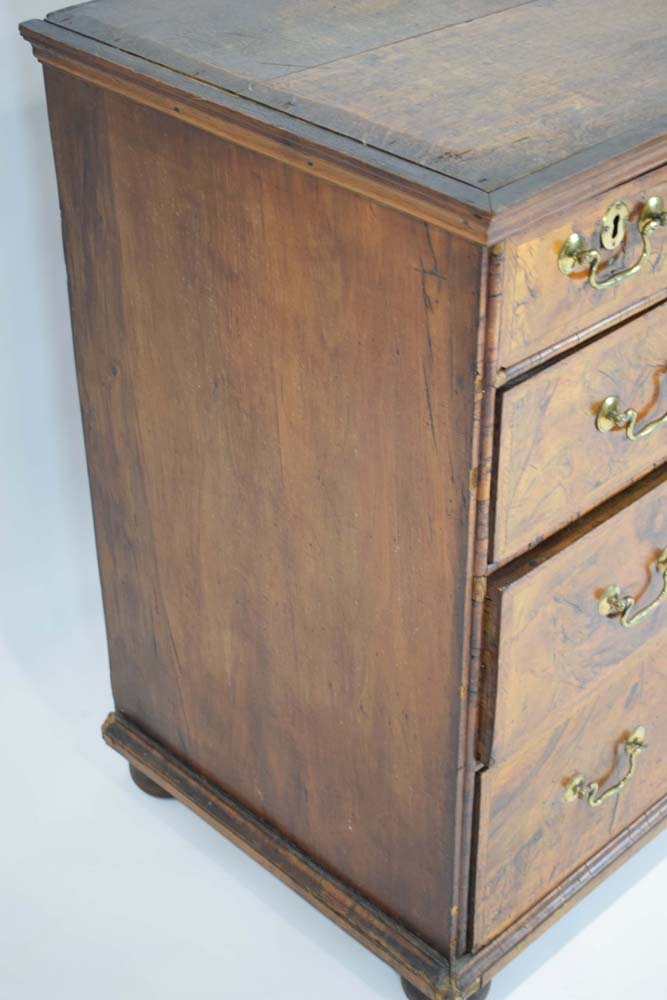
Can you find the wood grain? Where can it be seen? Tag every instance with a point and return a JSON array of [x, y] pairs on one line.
[[410, 957], [542, 307], [428, 971], [432, 196], [402, 78], [419, 192], [494, 956], [553, 464], [279, 459], [546, 646], [481, 476], [310, 440], [530, 837], [232, 41]]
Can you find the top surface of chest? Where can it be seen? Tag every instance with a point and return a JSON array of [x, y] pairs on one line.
[[487, 92]]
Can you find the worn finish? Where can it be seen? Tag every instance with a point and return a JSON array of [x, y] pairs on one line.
[[143, 782], [561, 677], [268, 39], [460, 207], [415, 190], [379, 76], [553, 462], [544, 310], [415, 994], [391, 942], [530, 836], [326, 419], [292, 435], [424, 968], [546, 645], [554, 904]]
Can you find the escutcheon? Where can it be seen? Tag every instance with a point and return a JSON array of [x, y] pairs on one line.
[[575, 253]]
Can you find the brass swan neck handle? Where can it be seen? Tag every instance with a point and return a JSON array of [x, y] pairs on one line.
[[611, 416], [575, 253], [590, 792], [613, 603]]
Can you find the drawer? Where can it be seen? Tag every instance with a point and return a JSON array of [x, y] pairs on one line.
[[569, 684], [546, 645], [543, 310], [530, 837], [553, 462]]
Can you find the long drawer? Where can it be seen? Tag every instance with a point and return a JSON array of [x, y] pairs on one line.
[[565, 683], [554, 463], [532, 834], [546, 645]]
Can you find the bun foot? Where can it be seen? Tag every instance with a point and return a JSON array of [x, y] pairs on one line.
[[413, 993], [147, 785]]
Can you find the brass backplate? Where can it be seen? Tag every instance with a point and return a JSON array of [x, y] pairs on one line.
[[608, 414], [610, 601], [570, 253]]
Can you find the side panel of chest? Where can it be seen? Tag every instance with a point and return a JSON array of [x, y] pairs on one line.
[[276, 380]]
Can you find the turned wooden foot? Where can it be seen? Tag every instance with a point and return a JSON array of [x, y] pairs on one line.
[[413, 994], [146, 785]]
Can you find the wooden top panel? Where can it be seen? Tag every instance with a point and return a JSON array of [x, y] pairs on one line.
[[265, 39], [487, 92]]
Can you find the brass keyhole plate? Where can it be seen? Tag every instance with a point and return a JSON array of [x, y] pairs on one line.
[[614, 225]]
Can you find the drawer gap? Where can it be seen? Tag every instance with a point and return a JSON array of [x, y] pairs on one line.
[[514, 374], [508, 575]]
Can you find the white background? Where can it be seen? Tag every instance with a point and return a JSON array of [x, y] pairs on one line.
[[104, 892]]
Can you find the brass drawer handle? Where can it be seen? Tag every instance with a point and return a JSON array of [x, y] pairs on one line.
[[574, 252], [578, 789], [613, 603], [611, 417]]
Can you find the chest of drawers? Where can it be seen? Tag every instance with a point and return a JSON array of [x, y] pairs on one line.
[[368, 311]]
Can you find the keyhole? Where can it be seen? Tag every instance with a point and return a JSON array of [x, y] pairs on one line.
[[614, 225]]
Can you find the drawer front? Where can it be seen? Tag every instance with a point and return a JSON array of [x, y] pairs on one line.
[[553, 462], [530, 836], [542, 308], [569, 685], [546, 644]]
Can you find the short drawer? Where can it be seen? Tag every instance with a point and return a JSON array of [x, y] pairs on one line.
[[544, 310], [554, 463], [570, 683]]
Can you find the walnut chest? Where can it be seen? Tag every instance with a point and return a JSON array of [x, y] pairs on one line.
[[369, 310]]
